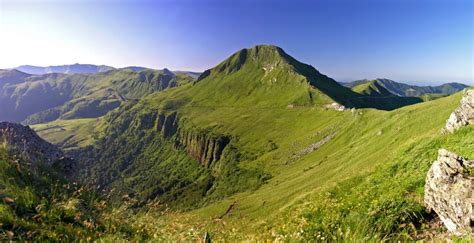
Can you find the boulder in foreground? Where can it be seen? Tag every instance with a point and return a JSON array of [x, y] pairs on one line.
[[448, 191]]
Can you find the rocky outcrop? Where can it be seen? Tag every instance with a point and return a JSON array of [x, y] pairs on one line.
[[23, 141], [170, 125], [448, 191], [313, 147], [204, 147], [335, 106], [464, 114]]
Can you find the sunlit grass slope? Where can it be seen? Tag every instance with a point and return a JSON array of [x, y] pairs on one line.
[[70, 134], [292, 169], [365, 183], [266, 76], [261, 89], [40, 204]]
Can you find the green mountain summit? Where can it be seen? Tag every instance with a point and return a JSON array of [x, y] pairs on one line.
[[266, 76]]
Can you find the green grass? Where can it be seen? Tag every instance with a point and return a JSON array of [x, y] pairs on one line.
[[366, 183], [352, 188], [70, 134], [37, 99], [40, 205], [428, 97], [277, 188], [371, 88]]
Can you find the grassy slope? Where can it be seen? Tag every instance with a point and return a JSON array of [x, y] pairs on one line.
[[240, 82], [265, 76], [41, 205], [308, 195], [371, 88], [271, 136], [380, 158], [43, 98], [351, 188], [262, 76], [97, 94], [262, 81], [70, 134]]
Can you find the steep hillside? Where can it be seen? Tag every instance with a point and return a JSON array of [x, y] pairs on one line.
[[201, 134], [37, 202], [406, 90], [250, 151], [266, 76], [67, 69], [25, 143], [45, 98], [230, 147], [334, 175], [340, 176], [11, 76]]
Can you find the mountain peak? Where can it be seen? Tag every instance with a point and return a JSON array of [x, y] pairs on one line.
[[267, 56], [267, 75], [267, 71], [265, 50], [267, 53], [167, 72]]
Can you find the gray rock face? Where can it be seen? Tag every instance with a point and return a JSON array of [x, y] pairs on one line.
[[449, 191], [23, 141], [464, 114]]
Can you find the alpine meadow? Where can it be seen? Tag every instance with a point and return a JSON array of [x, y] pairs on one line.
[[236, 140]]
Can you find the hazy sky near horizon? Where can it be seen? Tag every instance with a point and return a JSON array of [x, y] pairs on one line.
[[426, 41]]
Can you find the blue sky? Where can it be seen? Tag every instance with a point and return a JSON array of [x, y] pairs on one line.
[[413, 41]]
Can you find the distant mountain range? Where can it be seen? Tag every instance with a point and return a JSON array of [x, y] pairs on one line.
[[42, 98], [34, 94], [384, 87], [69, 69], [87, 69]]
